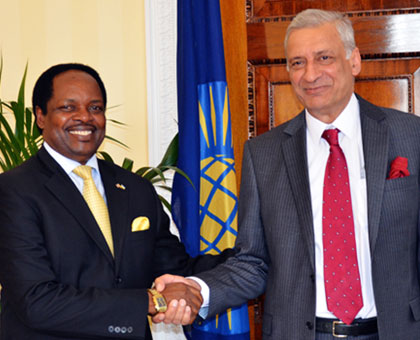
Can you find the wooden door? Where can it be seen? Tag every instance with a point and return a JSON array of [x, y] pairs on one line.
[[387, 33]]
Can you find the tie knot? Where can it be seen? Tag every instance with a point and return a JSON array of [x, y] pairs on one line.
[[331, 136], [83, 171]]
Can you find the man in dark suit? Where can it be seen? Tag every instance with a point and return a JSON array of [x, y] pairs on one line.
[[64, 275], [368, 287]]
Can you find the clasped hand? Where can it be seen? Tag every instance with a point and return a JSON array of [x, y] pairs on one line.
[[183, 298]]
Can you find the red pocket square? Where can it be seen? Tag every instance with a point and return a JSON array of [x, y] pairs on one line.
[[399, 168]]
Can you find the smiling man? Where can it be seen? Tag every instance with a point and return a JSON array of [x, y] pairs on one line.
[[73, 119], [328, 206], [322, 69], [81, 239]]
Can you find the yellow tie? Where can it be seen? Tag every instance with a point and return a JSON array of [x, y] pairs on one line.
[[96, 203]]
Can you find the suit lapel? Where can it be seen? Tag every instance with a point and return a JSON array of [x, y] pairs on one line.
[[62, 187], [375, 136], [117, 200], [294, 152]]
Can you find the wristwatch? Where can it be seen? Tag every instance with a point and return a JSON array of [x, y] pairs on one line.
[[159, 301]]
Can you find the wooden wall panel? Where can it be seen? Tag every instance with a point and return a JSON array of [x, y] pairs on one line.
[[393, 92], [286, 105], [389, 83], [269, 8], [387, 34]]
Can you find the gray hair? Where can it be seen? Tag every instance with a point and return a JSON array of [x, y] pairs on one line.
[[316, 17]]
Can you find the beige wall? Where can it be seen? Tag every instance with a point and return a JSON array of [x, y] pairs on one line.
[[108, 35]]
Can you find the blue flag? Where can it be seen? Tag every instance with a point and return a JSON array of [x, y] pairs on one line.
[[206, 213]]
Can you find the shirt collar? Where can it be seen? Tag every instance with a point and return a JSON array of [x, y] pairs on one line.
[[69, 164], [347, 122]]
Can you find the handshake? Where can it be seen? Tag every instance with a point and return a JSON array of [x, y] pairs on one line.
[[181, 296]]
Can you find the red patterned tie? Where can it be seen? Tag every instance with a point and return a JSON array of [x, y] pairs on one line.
[[341, 271]]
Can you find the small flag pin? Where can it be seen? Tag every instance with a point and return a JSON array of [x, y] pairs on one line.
[[120, 186]]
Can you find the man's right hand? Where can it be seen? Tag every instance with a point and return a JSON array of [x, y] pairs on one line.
[[183, 298]]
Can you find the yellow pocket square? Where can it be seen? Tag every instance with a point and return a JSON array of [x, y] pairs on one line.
[[140, 223]]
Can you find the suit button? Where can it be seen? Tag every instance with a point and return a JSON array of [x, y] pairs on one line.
[[111, 329], [130, 329], [118, 280], [117, 329], [309, 325], [123, 329], [312, 277]]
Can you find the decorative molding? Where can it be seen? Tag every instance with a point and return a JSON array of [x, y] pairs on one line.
[[271, 104], [161, 40], [382, 12], [366, 56], [250, 18], [274, 61], [271, 101], [249, 10], [162, 108], [401, 55], [252, 120], [408, 77]]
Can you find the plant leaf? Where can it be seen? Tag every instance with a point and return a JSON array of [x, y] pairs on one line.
[[181, 172], [117, 122], [8, 150], [11, 141], [158, 180], [19, 111], [143, 170], [128, 164], [165, 187], [165, 202], [106, 156], [171, 154], [116, 141], [7, 163], [153, 173]]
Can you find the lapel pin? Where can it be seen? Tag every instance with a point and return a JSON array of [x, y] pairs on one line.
[[120, 186]]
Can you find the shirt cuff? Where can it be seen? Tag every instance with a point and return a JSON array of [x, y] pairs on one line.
[[205, 293]]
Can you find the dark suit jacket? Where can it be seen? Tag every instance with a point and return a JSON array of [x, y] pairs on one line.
[[59, 278], [276, 237]]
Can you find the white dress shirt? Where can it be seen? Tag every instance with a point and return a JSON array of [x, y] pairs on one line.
[[69, 165], [350, 140]]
